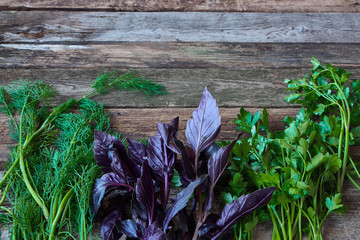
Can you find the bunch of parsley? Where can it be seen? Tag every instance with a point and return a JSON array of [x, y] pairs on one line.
[[52, 168], [308, 161]]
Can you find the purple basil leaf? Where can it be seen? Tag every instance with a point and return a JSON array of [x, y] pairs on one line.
[[209, 200], [109, 229], [138, 152], [130, 229], [179, 166], [209, 225], [188, 167], [153, 232], [175, 125], [242, 207], [102, 141], [204, 125], [145, 193], [110, 154], [108, 181], [168, 132], [181, 200], [130, 166], [207, 153], [161, 159], [156, 158], [139, 213], [116, 164], [218, 162]]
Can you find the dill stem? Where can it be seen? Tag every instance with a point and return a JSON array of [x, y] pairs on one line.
[[83, 227], [13, 166], [4, 193], [10, 114], [6, 209], [21, 149], [63, 216], [73, 141], [33, 193], [59, 212], [53, 208]]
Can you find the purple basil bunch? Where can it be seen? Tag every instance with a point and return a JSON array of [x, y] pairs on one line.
[[141, 176]]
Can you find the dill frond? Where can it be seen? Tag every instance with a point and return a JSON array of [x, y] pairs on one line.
[[128, 82], [52, 169]]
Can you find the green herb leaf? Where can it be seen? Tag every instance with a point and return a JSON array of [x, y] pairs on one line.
[[334, 203]]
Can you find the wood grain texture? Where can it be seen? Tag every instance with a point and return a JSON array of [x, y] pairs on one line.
[[100, 27], [246, 87], [195, 5], [139, 123], [231, 88], [178, 55]]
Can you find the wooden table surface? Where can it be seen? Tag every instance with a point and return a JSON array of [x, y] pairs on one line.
[[241, 50]]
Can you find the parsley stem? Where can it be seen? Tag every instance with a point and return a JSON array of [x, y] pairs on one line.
[[353, 181], [345, 127], [355, 168], [281, 223], [275, 225]]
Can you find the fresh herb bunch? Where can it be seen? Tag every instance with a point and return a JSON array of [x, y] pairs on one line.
[[141, 179], [307, 161], [328, 93], [52, 168]]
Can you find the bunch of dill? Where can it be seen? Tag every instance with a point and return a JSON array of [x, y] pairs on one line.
[[52, 168]]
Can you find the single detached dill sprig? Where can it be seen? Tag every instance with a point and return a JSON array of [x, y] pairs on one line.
[[127, 82], [52, 167]]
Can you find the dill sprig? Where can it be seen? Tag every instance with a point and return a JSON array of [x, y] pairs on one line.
[[127, 82], [52, 168]]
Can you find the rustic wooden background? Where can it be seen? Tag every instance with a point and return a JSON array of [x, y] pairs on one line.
[[241, 49]]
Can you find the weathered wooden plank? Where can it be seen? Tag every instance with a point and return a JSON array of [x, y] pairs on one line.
[[184, 86], [231, 88], [59, 27], [178, 55], [131, 122], [138, 123], [197, 5]]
